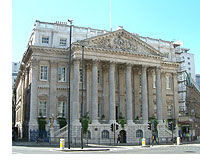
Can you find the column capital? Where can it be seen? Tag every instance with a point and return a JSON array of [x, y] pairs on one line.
[[105, 66], [129, 65], [158, 67], [150, 70], [95, 61], [112, 62], [136, 69], [76, 61], [121, 67], [163, 72], [144, 67], [88, 65], [174, 74], [34, 62]]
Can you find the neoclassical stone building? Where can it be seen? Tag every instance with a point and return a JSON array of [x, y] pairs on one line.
[[123, 76]]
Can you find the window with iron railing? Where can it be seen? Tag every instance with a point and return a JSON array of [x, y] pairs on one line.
[[42, 111]]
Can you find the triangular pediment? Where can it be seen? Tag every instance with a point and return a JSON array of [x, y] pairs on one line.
[[121, 40]]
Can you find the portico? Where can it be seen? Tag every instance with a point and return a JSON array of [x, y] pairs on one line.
[[124, 78]]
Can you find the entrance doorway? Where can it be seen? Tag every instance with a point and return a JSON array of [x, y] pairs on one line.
[[122, 134]]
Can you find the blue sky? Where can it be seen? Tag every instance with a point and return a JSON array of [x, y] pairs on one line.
[[164, 19]]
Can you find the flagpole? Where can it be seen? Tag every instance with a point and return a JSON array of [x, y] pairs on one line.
[[110, 18]]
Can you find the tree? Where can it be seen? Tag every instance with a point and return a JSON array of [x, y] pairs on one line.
[[85, 122], [121, 121]]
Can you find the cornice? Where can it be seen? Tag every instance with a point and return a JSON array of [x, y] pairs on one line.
[[49, 49], [114, 52], [170, 64]]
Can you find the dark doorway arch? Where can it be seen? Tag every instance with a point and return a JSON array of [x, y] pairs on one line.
[[122, 134]]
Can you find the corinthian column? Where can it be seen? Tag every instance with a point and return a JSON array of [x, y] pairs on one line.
[[75, 93], [112, 92], [129, 110], [94, 93], [144, 95], [158, 95]]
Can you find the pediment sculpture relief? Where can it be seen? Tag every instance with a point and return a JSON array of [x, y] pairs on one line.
[[121, 42], [117, 43]]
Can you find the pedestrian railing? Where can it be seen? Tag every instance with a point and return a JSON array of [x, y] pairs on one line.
[[76, 141]]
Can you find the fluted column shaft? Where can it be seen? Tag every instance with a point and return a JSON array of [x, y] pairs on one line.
[[144, 95], [94, 92], [33, 124], [75, 93], [129, 113], [112, 93], [158, 95]]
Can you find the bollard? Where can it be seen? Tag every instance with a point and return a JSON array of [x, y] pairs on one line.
[[143, 142], [62, 143], [178, 140]]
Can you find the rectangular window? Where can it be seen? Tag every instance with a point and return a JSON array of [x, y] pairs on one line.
[[154, 81], [169, 111], [63, 42], [61, 74], [14, 74], [45, 40], [42, 108], [99, 110], [61, 109], [98, 77], [140, 77], [168, 82], [81, 75], [43, 73], [155, 109]]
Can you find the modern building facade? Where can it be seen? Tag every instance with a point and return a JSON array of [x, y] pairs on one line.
[[15, 69], [198, 79], [124, 76]]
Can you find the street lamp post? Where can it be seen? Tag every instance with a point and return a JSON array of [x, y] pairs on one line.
[[83, 44], [82, 97], [69, 75]]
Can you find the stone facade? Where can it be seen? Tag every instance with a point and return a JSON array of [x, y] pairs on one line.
[[190, 121], [124, 77]]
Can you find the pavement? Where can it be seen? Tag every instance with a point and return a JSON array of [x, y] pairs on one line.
[[94, 147]]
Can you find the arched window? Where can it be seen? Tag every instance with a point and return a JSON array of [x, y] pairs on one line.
[[105, 134], [139, 134]]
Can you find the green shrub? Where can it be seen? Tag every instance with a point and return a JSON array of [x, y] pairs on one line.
[[42, 124], [121, 121], [85, 122], [62, 122]]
